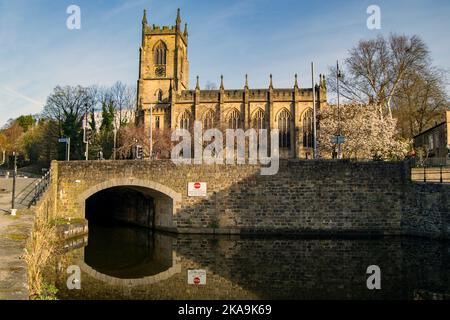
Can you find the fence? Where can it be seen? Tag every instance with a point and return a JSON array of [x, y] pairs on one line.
[[440, 174], [40, 187]]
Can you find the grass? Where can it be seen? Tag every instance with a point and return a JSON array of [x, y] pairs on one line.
[[14, 236], [48, 292], [15, 232], [40, 249]]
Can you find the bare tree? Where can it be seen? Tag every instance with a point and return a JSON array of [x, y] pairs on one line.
[[69, 103], [124, 97], [421, 101], [68, 107], [375, 69], [130, 136]]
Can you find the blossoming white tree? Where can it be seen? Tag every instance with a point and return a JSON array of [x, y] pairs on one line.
[[368, 135]]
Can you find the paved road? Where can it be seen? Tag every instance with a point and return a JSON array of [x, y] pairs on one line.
[[24, 192], [14, 232]]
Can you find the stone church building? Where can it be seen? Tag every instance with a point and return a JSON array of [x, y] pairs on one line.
[[163, 85]]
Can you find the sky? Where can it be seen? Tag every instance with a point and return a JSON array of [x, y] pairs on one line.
[[229, 37]]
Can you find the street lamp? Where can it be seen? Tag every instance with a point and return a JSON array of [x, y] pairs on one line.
[[151, 132], [338, 76], [85, 129], [314, 111], [115, 141], [13, 204]]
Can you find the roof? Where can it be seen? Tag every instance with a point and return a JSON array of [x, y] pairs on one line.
[[431, 129]]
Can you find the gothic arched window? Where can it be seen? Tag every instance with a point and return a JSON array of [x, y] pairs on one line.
[[308, 129], [185, 120], [284, 124], [208, 120], [160, 54], [160, 95], [234, 120], [259, 120]]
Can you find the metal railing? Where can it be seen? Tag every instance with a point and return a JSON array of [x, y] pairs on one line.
[[434, 174], [40, 187]]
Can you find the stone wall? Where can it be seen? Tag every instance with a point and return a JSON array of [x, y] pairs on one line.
[[305, 196], [427, 210]]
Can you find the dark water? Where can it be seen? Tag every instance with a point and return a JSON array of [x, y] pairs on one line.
[[253, 268]]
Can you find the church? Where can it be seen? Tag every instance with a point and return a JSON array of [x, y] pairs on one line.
[[164, 95]]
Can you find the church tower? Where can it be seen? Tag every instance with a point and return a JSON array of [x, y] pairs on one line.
[[163, 71]]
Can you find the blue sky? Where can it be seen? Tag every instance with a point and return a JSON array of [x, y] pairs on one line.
[[229, 37]]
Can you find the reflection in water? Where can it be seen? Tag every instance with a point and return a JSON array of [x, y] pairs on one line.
[[259, 268], [126, 252]]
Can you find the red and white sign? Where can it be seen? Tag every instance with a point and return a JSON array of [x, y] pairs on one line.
[[197, 189], [197, 277]]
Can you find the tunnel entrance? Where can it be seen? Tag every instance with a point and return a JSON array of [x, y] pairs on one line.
[[127, 205], [128, 252], [122, 241], [142, 203]]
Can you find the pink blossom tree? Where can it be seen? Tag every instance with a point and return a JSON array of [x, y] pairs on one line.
[[368, 135]]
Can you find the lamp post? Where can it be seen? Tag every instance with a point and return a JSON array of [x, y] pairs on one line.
[[68, 149], [13, 204], [338, 76], [115, 141], [151, 132], [314, 112], [85, 129]]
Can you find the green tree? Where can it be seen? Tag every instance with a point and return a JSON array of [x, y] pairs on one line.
[[40, 143], [107, 116], [106, 136], [26, 122]]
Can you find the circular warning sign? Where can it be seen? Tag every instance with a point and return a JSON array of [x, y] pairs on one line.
[[196, 280], [197, 185]]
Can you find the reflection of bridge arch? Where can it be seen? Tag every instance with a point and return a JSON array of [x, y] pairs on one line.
[[167, 200], [175, 269]]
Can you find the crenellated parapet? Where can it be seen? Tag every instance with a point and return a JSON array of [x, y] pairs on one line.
[[166, 30], [237, 95]]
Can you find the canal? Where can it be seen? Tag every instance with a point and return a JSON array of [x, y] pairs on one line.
[[128, 262], [124, 258]]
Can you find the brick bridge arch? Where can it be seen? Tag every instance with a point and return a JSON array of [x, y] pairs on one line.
[[167, 200]]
